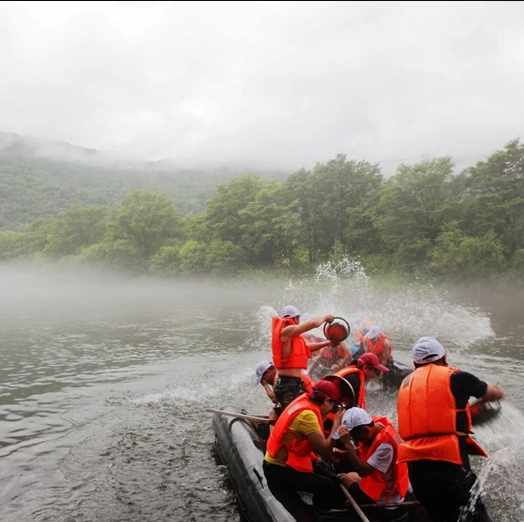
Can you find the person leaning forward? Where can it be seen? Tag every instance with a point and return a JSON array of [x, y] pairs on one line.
[[377, 476], [291, 352], [288, 463], [434, 420]]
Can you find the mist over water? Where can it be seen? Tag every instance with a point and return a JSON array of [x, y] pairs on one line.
[[105, 380]]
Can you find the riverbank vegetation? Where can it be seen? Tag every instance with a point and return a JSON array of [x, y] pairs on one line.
[[424, 221]]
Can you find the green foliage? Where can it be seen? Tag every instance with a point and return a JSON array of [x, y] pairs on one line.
[[425, 221], [332, 203], [78, 228], [456, 254], [495, 190], [39, 180], [144, 222]]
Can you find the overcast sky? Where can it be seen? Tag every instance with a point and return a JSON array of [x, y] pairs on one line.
[[278, 83]]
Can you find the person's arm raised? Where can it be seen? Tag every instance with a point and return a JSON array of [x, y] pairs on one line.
[[320, 443], [292, 330]]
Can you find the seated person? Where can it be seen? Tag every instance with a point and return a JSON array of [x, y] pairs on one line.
[[288, 463], [377, 342], [377, 476], [359, 372], [330, 359]]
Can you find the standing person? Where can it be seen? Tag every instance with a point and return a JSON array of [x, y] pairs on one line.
[[434, 419], [288, 464], [291, 352]]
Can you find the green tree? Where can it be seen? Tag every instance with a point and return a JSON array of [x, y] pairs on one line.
[[270, 227], [332, 200], [144, 222], [411, 210], [79, 227], [223, 215], [494, 197]]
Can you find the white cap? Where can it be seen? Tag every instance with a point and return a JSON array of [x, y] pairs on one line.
[[290, 311], [427, 350], [373, 332], [353, 418], [262, 367]]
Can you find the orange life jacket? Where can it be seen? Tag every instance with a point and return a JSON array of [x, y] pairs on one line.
[[378, 347], [360, 401], [298, 453], [374, 485], [300, 352], [327, 356], [366, 322], [307, 382], [427, 417]]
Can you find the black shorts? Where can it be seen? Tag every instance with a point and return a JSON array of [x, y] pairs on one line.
[[287, 389]]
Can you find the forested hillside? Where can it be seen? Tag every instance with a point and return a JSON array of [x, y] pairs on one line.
[[426, 220], [41, 179]]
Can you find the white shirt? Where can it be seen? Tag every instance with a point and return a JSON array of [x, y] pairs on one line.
[[382, 460]]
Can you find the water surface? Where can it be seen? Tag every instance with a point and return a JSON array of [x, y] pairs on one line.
[[105, 381]]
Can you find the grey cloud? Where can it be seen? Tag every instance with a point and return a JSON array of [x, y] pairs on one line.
[[283, 84]]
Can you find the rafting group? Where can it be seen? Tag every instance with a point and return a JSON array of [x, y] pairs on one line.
[[322, 440]]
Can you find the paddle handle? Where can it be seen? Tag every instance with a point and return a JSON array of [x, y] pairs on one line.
[[356, 507], [241, 415]]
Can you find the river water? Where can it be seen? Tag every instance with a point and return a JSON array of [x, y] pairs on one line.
[[105, 381]]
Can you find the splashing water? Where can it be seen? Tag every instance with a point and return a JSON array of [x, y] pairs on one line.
[[346, 269], [404, 311], [499, 481]]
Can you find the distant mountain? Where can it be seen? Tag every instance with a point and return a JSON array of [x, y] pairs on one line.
[[40, 178]]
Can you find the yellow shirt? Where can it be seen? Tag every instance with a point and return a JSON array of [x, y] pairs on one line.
[[301, 426]]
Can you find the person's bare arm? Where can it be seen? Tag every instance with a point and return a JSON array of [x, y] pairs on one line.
[[347, 355], [313, 347], [269, 391], [493, 393], [361, 467], [314, 363], [292, 330], [385, 353], [322, 444]]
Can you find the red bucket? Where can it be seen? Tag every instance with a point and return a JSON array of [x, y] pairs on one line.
[[337, 331]]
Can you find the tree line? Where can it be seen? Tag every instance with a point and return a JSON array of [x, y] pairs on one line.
[[425, 220]]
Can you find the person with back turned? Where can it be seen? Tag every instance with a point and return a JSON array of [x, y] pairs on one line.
[[291, 352], [434, 421]]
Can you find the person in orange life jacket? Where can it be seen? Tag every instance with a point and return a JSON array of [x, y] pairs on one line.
[[288, 463], [359, 372], [291, 352], [362, 328], [332, 357], [266, 375], [434, 420], [377, 477], [310, 336], [377, 342]]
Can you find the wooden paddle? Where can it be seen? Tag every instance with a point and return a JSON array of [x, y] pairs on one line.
[[241, 416], [356, 507]]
